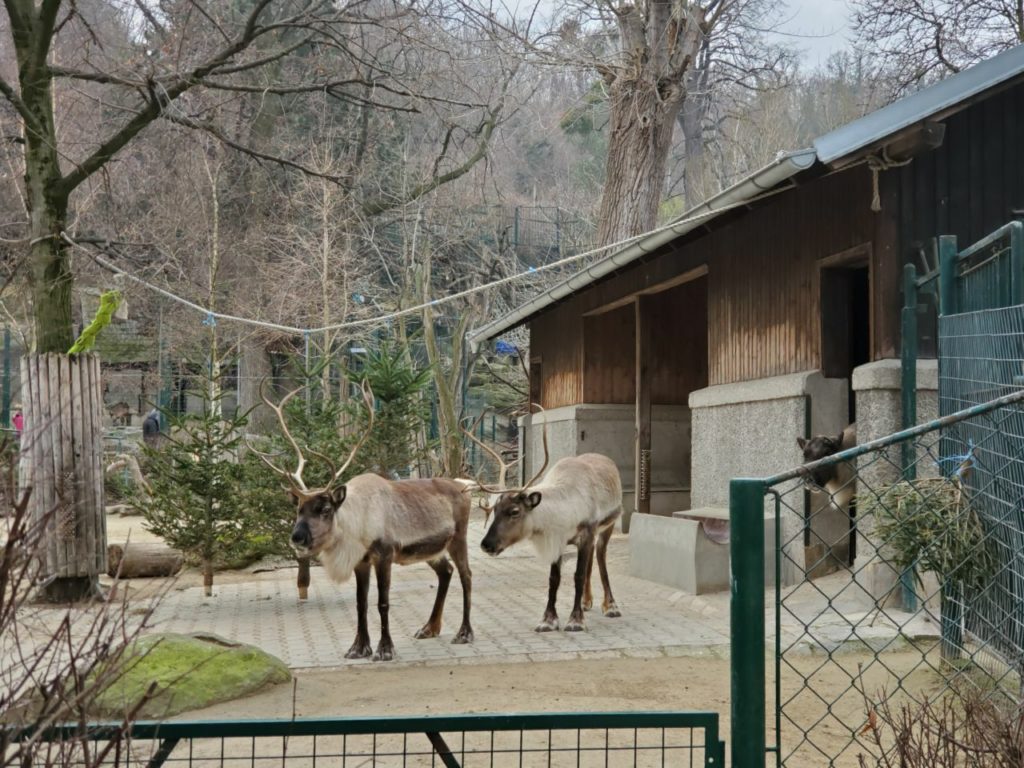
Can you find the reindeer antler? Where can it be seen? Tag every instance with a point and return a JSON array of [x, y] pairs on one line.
[[338, 472], [503, 466], [544, 466], [295, 478]]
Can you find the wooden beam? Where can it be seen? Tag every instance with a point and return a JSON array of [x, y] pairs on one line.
[[685, 277], [642, 477]]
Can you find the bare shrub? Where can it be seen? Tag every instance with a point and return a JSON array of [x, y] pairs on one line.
[[55, 661]]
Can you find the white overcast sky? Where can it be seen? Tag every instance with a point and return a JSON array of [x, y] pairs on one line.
[[818, 27]]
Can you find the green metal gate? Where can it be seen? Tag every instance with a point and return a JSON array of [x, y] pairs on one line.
[[458, 741]]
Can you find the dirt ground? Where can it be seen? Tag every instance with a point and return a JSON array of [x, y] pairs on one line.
[[610, 684], [600, 681]]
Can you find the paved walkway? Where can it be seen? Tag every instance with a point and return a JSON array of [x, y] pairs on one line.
[[509, 594]]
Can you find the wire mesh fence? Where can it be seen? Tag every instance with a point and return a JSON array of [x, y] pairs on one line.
[[899, 582], [461, 741]]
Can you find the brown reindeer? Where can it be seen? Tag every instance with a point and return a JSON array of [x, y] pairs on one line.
[[371, 522], [576, 503]]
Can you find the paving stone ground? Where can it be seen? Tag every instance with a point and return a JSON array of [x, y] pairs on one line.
[[509, 594]]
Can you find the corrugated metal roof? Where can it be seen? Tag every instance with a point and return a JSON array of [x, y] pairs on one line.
[[919, 106]]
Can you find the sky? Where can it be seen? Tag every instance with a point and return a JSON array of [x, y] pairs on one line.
[[819, 27]]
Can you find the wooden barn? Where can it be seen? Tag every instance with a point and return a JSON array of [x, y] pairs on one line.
[[772, 311]]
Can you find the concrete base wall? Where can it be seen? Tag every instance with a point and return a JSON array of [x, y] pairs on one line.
[[878, 389], [676, 552], [750, 429], [611, 430]]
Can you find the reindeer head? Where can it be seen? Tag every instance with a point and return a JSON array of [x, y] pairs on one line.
[[512, 521], [513, 509], [815, 449], [316, 508]]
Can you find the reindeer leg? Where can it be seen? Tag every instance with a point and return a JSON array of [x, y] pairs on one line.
[[585, 551], [361, 648], [550, 621], [588, 594], [443, 568], [385, 648], [611, 610], [460, 554]]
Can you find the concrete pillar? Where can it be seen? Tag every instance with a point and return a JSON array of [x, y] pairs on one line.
[[877, 387]]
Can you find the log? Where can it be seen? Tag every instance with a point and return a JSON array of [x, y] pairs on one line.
[[137, 561]]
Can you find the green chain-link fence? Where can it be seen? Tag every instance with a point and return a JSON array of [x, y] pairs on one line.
[[848, 646]]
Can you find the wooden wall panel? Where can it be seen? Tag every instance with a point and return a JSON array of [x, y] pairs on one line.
[[609, 356], [679, 364], [556, 337], [763, 298]]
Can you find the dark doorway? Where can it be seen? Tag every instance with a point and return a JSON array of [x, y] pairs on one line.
[[846, 338], [845, 323]]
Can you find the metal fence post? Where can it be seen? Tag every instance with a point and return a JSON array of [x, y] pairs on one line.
[[908, 358], [1016, 262], [747, 654], [947, 275]]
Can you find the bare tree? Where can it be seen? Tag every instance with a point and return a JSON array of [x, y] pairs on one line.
[[920, 41]]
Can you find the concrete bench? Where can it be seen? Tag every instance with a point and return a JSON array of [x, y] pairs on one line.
[[689, 550]]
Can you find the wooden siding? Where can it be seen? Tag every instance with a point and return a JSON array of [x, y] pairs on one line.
[[764, 295], [556, 338], [679, 355], [609, 356], [763, 286], [971, 185]]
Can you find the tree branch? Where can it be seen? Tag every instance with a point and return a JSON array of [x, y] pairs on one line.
[[485, 130], [214, 131], [8, 92]]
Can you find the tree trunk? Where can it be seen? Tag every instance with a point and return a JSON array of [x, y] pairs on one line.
[[207, 577], [255, 368], [137, 561], [641, 124], [61, 461]]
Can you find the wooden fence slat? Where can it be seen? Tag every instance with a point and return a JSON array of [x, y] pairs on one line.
[[62, 460]]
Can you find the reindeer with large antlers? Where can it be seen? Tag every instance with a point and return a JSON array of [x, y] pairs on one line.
[[577, 503], [371, 522]]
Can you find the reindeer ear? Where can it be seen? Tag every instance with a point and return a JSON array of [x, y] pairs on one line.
[[338, 495], [802, 442], [533, 500], [839, 440]]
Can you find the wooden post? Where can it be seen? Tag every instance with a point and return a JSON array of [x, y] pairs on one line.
[[61, 461], [642, 477]]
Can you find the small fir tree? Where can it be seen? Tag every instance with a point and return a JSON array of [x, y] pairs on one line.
[[196, 503]]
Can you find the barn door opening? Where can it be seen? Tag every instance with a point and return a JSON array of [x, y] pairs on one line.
[[845, 323], [846, 342]]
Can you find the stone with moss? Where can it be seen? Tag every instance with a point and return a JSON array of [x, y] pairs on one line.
[[189, 672]]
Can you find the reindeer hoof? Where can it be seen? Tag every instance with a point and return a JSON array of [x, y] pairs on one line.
[[427, 632], [359, 651], [464, 637], [575, 626], [612, 611], [384, 653], [587, 605], [548, 625]]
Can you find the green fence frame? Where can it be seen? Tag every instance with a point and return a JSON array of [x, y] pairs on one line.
[[747, 562], [170, 734]]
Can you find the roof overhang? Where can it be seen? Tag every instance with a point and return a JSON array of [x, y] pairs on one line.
[[915, 112], [782, 169]]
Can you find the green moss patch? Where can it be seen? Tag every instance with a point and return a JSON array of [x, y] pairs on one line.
[[190, 672]]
